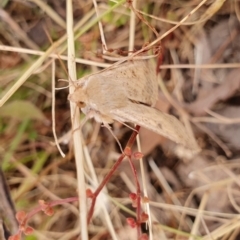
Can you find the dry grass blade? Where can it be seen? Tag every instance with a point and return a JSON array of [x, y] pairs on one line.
[[50, 12], [78, 150]]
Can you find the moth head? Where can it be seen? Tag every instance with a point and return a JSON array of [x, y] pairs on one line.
[[79, 97]]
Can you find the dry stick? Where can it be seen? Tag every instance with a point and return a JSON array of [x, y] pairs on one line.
[[75, 117], [113, 169]]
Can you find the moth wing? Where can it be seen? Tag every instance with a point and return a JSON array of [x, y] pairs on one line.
[[138, 78], [156, 121]]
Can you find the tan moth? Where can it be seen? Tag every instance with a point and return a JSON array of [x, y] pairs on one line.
[[127, 93]]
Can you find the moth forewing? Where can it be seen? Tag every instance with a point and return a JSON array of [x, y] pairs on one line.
[[139, 79], [156, 121]]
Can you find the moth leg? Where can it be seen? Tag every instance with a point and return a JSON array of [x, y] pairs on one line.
[[104, 124], [82, 123], [128, 126]]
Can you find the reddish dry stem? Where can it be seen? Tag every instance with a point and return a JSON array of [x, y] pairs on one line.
[[113, 169], [159, 60], [142, 18], [138, 196], [23, 218]]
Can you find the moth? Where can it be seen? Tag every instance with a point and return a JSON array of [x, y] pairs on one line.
[[128, 93]]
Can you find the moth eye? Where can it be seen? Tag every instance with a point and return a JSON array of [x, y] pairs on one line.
[[81, 104]]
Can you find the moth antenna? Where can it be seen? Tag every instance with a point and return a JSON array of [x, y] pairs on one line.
[[110, 130], [60, 88], [59, 59], [63, 80]]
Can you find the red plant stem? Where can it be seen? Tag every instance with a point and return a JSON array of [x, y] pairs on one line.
[[28, 216], [51, 204], [113, 169], [138, 209]]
